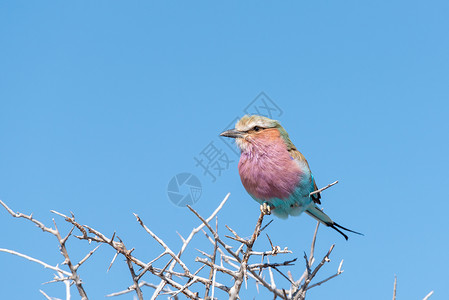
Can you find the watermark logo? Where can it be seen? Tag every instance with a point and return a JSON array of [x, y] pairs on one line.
[[184, 189]]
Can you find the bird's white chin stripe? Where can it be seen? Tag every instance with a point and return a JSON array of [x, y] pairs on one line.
[[240, 143], [244, 144], [248, 144]]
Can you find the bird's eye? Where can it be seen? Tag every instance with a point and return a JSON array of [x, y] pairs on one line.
[[257, 128]]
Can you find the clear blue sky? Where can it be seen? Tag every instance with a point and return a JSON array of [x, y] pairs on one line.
[[102, 103]]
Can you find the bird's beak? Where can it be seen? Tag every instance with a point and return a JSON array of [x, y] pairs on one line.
[[232, 133]]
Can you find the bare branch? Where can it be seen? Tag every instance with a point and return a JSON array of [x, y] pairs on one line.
[[273, 284], [394, 287], [428, 295], [187, 241], [86, 257], [233, 294], [160, 241], [301, 293], [312, 247], [47, 266], [48, 297], [136, 286], [324, 188], [113, 260], [234, 261], [67, 286], [216, 267], [76, 279], [130, 289], [30, 218], [213, 271], [339, 271], [273, 252]]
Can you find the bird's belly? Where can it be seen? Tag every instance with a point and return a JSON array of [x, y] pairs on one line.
[[272, 180], [285, 198]]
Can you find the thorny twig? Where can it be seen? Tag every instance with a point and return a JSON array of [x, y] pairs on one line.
[[233, 261]]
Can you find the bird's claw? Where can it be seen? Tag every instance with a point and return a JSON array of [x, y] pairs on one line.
[[265, 208]]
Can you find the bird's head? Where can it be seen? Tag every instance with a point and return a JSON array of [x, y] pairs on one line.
[[253, 131]]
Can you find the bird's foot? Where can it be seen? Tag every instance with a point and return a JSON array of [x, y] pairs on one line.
[[265, 208]]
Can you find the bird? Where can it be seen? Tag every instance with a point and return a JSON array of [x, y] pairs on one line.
[[275, 173]]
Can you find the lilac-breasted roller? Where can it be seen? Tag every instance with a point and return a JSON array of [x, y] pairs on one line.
[[274, 172]]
